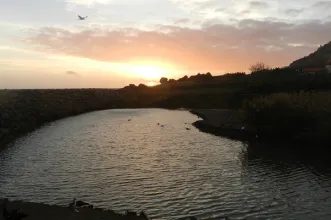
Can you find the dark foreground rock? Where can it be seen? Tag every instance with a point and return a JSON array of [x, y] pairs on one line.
[[39, 211]]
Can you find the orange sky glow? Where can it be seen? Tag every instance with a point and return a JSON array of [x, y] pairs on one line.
[[124, 42]]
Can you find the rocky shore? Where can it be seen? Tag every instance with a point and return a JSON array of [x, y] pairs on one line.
[[223, 122], [40, 211], [16, 210]]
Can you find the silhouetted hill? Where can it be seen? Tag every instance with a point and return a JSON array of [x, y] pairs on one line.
[[316, 59]]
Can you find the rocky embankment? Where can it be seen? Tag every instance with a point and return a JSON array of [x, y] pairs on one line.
[[76, 210], [22, 111], [223, 122], [40, 211]]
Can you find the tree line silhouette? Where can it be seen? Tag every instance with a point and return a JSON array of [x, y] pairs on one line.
[[199, 77], [277, 103]]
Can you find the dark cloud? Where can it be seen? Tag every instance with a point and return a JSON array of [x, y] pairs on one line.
[[293, 12], [243, 12], [182, 21], [323, 4], [72, 73], [258, 5], [213, 47]]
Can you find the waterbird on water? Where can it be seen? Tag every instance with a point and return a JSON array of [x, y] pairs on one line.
[[81, 18], [72, 205], [79, 204]]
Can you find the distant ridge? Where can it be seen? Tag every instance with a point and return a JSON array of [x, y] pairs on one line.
[[319, 58]]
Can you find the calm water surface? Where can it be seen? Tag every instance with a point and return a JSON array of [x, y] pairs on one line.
[[169, 171]]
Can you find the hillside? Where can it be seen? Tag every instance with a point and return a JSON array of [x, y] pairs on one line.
[[316, 59]]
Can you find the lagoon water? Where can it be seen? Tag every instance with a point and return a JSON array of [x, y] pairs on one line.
[[170, 172]]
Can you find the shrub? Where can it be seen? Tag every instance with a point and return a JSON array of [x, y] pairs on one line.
[[303, 116]]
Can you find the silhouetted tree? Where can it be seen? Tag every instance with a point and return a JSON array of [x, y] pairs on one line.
[[259, 66], [183, 79], [141, 86], [171, 81], [163, 80], [201, 77]]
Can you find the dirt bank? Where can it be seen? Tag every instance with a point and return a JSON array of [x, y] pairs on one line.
[[222, 122]]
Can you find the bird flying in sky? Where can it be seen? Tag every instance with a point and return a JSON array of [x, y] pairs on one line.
[[81, 18]]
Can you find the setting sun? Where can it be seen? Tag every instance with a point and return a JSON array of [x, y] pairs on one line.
[[148, 72], [151, 83]]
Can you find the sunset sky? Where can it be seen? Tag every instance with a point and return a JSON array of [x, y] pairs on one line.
[[44, 45]]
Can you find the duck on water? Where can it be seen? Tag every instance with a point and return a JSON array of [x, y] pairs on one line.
[[79, 204]]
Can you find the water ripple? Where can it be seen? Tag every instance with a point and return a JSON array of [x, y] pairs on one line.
[[169, 171]]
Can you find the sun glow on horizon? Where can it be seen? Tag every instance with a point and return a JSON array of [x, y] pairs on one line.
[[148, 72], [151, 83]]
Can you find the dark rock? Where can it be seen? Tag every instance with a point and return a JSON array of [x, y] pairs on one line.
[[188, 218], [143, 215], [131, 213]]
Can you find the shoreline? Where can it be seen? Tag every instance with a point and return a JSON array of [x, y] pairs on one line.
[[227, 123], [6, 139], [222, 122], [219, 122], [42, 211]]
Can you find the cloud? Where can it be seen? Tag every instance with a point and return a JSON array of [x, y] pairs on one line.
[[80, 5], [72, 73], [88, 2], [182, 21], [293, 11], [323, 4], [214, 47], [220, 10], [258, 5]]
